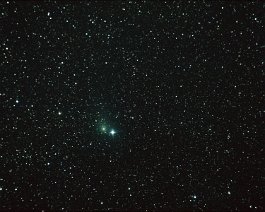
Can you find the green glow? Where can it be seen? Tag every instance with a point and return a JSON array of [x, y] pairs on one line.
[[103, 128]]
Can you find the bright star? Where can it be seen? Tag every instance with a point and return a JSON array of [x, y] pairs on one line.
[[112, 132]]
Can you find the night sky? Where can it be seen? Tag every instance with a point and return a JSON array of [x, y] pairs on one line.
[[126, 105]]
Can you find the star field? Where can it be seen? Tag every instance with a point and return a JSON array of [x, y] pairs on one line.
[[132, 105]]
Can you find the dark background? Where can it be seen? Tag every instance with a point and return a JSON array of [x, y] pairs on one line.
[[181, 83]]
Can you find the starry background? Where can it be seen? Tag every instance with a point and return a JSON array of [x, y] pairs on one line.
[[181, 84]]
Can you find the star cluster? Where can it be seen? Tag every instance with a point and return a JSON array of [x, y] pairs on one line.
[[132, 105]]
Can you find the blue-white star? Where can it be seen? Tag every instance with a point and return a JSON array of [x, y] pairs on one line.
[[112, 132]]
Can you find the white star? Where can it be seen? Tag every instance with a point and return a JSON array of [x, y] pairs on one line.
[[112, 132]]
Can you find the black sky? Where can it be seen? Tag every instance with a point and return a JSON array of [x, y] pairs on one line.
[[181, 84]]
